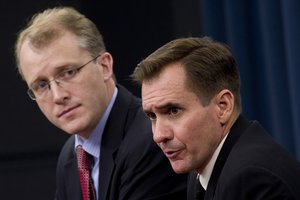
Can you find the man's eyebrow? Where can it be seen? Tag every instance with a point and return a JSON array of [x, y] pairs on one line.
[[162, 107], [56, 71], [167, 105]]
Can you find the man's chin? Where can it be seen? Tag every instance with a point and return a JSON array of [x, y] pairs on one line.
[[179, 167], [70, 130]]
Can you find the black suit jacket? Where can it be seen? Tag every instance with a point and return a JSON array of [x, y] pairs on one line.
[[251, 166], [132, 167]]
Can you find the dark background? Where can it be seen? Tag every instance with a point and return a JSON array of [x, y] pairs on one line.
[[131, 30], [264, 37]]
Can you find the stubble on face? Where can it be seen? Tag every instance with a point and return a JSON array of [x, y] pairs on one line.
[[185, 130]]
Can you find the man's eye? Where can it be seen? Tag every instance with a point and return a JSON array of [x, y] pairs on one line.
[[39, 86], [174, 111], [68, 73], [151, 116]]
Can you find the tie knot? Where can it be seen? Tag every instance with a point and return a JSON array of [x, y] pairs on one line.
[[84, 161], [199, 190]]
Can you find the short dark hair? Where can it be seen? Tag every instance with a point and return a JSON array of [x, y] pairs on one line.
[[209, 66]]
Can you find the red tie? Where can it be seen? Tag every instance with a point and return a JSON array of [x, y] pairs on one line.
[[84, 166]]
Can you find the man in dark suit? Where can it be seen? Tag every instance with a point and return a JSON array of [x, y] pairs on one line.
[[110, 155], [191, 93]]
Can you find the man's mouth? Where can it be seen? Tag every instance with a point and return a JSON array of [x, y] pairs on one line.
[[68, 110]]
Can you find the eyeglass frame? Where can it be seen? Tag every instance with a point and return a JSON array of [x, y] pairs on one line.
[[58, 76]]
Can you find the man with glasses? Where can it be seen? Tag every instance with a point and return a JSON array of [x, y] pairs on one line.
[[110, 155]]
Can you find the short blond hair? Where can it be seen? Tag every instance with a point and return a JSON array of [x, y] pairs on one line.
[[48, 25]]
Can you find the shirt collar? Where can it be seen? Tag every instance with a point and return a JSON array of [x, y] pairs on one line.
[[205, 175], [92, 144]]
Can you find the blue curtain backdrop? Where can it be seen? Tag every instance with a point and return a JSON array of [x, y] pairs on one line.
[[264, 36]]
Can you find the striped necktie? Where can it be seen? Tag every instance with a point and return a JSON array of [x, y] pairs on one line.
[[84, 168]]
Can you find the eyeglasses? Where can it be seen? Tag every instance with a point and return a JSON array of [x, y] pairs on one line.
[[40, 89]]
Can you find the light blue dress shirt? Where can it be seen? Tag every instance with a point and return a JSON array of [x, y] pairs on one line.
[[92, 144]]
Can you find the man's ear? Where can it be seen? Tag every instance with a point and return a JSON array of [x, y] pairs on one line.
[[225, 104], [106, 61]]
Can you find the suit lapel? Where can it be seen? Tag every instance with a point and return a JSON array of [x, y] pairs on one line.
[[71, 176], [192, 186], [236, 131], [111, 139]]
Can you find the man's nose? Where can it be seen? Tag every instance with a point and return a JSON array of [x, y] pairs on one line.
[[59, 93], [162, 132]]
